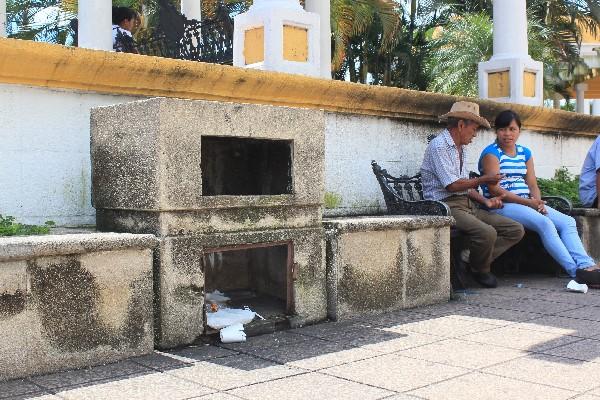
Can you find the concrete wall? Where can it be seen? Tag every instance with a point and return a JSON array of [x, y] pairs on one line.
[[352, 141], [45, 157], [69, 301], [45, 153]]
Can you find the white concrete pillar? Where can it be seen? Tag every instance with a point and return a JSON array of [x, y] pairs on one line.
[[95, 24], [511, 75], [580, 89], [323, 9], [596, 107], [510, 29], [278, 35], [2, 18], [192, 9]]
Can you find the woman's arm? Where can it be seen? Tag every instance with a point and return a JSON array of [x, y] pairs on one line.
[[534, 191], [531, 180], [491, 165]]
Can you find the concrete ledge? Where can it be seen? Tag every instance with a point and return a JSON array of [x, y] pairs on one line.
[[24, 247], [378, 264], [586, 212], [382, 223], [72, 301], [588, 225], [54, 66]]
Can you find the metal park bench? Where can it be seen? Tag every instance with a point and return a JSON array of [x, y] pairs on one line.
[[403, 195]]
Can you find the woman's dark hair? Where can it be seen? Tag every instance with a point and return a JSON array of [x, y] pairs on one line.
[[119, 14], [505, 118]]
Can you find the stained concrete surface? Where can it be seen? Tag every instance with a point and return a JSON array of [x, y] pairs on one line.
[[533, 342]]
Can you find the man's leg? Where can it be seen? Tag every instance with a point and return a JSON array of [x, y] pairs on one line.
[[481, 235], [510, 232]]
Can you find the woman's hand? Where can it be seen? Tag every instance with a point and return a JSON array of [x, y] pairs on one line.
[[538, 205], [495, 202]]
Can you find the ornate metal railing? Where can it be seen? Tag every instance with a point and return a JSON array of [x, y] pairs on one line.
[[175, 36]]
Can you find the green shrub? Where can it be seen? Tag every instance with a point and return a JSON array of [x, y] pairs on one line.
[[563, 184], [9, 227]]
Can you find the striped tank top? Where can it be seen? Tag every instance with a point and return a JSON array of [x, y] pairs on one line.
[[513, 167]]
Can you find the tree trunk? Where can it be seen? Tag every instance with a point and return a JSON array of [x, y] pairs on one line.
[[387, 71], [352, 66], [364, 63]]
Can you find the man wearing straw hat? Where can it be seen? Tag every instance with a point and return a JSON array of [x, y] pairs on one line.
[[445, 178]]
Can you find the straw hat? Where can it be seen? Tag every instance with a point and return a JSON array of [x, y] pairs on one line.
[[466, 110]]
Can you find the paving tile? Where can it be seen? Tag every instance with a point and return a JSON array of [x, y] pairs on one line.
[[505, 293], [203, 352], [563, 325], [334, 333], [594, 392], [144, 387], [574, 298], [521, 339], [463, 354], [394, 372], [395, 319], [442, 309], [586, 396], [535, 281], [160, 362], [333, 330], [232, 372], [402, 396], [217, 396], [401, 340], [496, 316], [36, 396], [313, 354], [535, 305], [585, 350], [18, 387], [381, 340], [447, 326], [93, 374], [481, 386], [314, 386], [277, 339], [591, 313], [552, 371]]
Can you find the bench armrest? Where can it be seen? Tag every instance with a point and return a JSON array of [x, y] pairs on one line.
[[559, 203]]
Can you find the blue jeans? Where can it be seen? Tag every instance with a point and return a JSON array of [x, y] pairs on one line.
[[557, 231]]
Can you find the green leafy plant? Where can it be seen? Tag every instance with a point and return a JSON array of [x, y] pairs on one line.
[[563, 184], [332, 200], [9, 227]]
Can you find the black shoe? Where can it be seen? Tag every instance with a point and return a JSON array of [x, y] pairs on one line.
[[591, 278], [486, 279]]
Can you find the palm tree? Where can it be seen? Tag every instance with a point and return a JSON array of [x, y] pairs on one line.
[[456, 51]]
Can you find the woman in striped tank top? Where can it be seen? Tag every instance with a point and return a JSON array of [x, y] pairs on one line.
[[522, 198]]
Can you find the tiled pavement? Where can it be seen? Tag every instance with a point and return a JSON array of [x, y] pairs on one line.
[[530, 342]]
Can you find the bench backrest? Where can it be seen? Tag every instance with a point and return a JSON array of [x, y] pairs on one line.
[[403, 195]]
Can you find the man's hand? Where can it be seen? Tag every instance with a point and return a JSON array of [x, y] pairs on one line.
[[491, 178], [495, 202], [538, 205]]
